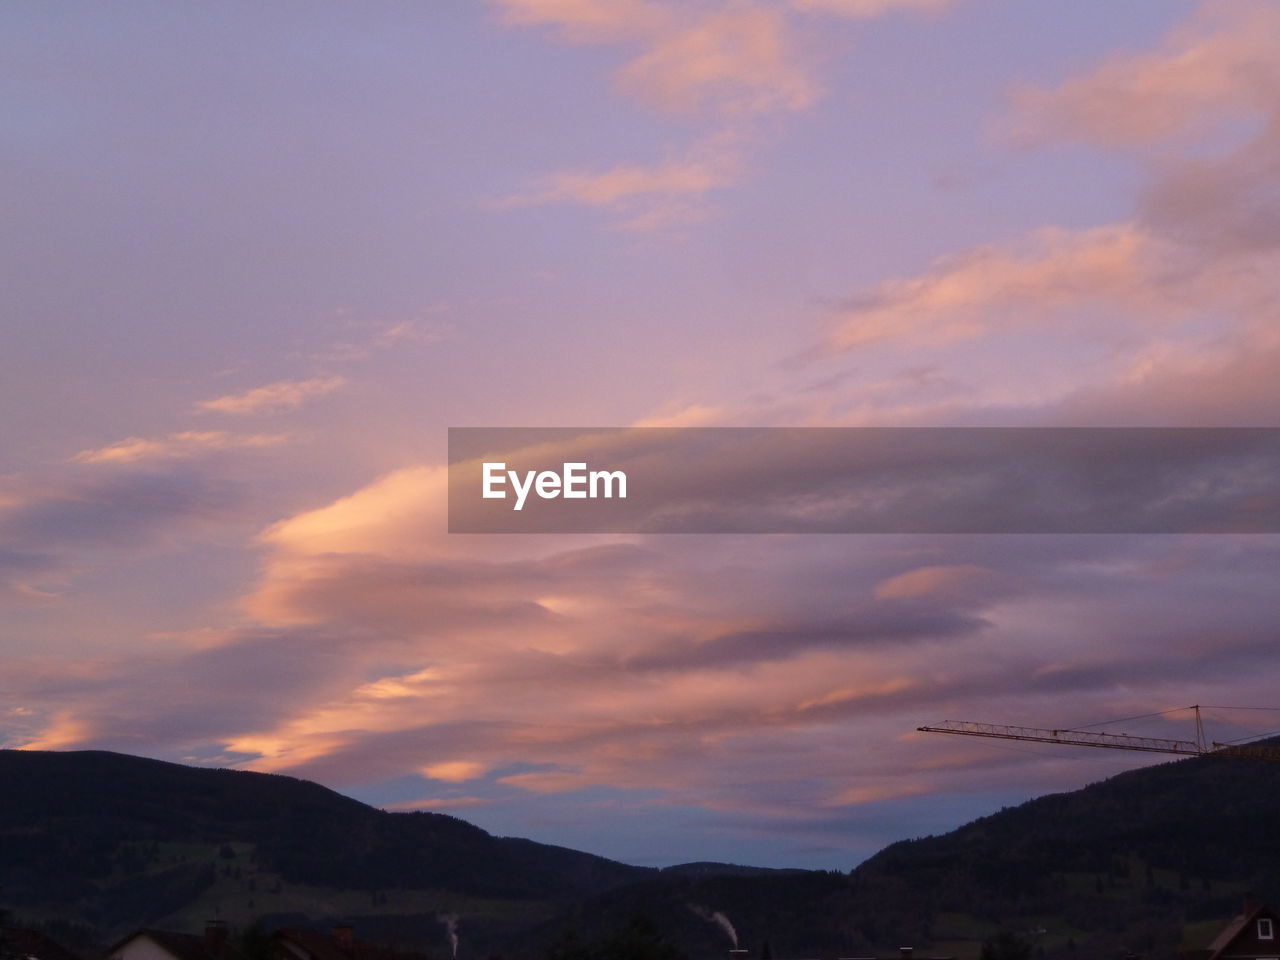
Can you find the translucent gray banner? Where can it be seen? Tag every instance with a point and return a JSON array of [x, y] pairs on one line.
[[864, 480]]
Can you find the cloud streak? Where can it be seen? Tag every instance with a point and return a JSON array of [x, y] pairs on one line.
[[51, 528], [725, 58], [1179, 299], [646, 197], [726, 65], [273, 397], [188, 443]]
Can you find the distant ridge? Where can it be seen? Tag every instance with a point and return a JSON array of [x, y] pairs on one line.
[[711, 868], [1147, 861], [118, 841]]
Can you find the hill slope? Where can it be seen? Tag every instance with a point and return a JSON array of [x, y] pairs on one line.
[[1146, 861], [1130, 859], [1135, 862], [118, 841]]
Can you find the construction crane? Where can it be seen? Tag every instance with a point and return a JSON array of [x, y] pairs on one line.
[[1199, 747]]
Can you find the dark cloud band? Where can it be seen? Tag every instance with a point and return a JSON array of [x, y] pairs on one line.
[[866, 480]]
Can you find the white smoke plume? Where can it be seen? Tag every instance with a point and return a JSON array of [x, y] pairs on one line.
[[450, 921], [718, 918]]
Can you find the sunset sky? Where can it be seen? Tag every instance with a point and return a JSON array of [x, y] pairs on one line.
[[256, 259]]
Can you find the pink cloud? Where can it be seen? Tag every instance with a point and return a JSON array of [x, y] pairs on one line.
[[991, 288], [574, 697], [646, 197], [865, 9], [1183, 290], [741, 59], [274, 397], [726, 64], [734, 57], [730, 64], [189, 443], [624, 666], [1230, 382], [953, 580], [589, 21], [455, 771], [1222, 64]]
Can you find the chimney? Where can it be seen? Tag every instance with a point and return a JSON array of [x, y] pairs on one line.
[[1250, 904], [215, 936], [345, 934], [736, 954], [906, 952]]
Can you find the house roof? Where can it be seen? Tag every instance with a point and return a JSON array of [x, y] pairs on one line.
[[20, 942], [1238, 925], [325, 946], [183, 946]]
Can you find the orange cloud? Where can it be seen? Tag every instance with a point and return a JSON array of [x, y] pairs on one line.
[[992, 288], [189, 443], [949, 580], [455, 771], [66, 729], [283, 395], [690, 415], [878, 793], [281, 749]]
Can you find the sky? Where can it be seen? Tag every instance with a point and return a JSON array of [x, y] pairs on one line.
[[256, 260]]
